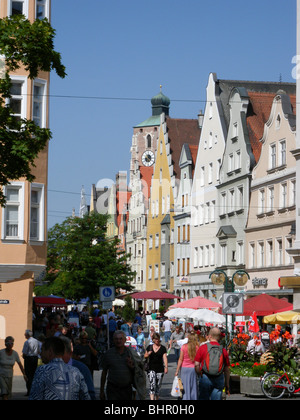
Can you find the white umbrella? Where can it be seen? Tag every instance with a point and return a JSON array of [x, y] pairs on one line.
[[205, 315], [179, 313], [118, 302]]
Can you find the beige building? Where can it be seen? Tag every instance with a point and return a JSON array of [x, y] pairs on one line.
[[270, 229], [23, 227]]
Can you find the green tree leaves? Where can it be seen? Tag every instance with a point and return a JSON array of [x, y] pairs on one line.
[[81, 259]]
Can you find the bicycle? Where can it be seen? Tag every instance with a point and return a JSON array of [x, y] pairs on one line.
[[275, 385]]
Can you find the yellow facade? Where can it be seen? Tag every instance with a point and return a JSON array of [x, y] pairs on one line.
[[161, 203]]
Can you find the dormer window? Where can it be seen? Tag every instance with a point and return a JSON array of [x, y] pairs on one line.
[[278, 122]]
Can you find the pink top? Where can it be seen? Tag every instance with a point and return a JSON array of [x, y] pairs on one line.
[[187, 362]]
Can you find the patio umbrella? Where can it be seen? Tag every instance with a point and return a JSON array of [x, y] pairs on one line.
[[265, 305], [205, 315], [179, 313], [286, 317], [154, 295], [197, 303], [118, 302]]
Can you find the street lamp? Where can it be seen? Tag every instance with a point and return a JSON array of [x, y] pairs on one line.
[[219, 278]]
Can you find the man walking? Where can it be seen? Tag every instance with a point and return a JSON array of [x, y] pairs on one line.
[[118, 370], [167, 326], [30, 355], [212, 364], [56, 380]]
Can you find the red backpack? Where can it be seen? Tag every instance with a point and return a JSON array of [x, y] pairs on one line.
[[213, 364]]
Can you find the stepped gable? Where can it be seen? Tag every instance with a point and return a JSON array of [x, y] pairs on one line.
[[181, 131]]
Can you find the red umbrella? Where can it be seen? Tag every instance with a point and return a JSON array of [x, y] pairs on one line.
[[265, 305], [154, 295], [197, 303]]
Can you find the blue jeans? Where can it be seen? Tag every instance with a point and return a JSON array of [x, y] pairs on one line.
[[211, 387], [167, 336]]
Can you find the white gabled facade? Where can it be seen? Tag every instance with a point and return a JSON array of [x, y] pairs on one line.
[[204, 226]]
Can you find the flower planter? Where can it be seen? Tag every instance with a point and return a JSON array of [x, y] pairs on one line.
[[251, 386], [234, 384]]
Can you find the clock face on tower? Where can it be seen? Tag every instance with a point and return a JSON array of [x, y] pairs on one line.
[[148, 158]]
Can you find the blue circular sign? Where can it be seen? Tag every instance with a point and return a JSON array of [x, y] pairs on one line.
[[107, 292]]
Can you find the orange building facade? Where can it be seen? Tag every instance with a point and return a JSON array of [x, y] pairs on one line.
[[23, 222]]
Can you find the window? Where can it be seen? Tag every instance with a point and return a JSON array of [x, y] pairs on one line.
[[223, 254], [17, 102], [150, 272], [13, 213], [163, 269], [230, 163], [261, 250], [163, 237], [270, 253], [273, 156], [210, 173], [196, 256], [252, 256], [150, 242], [289, 245], [39, 104], [213, 211], [212, 255], [156, 240], [235, 130], [202, 176], [201, 256], [149, 141], [293, 193], [156, 271], [279, 257], [37, 212], [283, 196], [271, 199], [240, 197], [240, 256], [17, 7], [261, 204], [283, 153], [223, 203], [231, 200], [42, 9], [238, 163]]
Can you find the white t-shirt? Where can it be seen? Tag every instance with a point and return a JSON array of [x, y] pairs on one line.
[[167, 324]]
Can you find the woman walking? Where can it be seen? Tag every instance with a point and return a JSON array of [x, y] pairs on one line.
[[158, 365], [187, 366], [8, 358]]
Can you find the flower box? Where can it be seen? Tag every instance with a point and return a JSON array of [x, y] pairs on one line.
[[234, 384], [251, 386]]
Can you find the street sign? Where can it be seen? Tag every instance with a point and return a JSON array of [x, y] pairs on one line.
[[106, 305], [4, 301], [107, 293], [233, 303]]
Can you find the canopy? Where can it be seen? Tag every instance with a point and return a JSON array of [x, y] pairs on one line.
[[197, 303], [179, 313], [154, 295], [207, 316], [265, 305], [287, 317], [49, 301]]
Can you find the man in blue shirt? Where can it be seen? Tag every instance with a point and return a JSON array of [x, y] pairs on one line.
[[56, 380]]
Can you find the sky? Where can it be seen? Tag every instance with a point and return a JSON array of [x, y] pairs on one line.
[[117, 53]]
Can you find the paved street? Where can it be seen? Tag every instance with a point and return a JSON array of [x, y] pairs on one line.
[[19, 389]]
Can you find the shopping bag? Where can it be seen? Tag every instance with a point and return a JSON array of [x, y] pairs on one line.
[[175, 388]]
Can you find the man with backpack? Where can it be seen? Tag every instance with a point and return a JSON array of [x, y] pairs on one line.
[[212, 365]]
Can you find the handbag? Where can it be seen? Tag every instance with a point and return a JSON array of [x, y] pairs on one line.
[[147, 362]]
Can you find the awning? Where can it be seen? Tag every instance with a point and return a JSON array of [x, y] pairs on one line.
[[49, 301]]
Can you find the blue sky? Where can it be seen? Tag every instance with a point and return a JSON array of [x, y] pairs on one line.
[[126, 49]]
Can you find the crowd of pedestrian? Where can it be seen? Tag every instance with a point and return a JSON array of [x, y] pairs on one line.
[[60, 357]]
